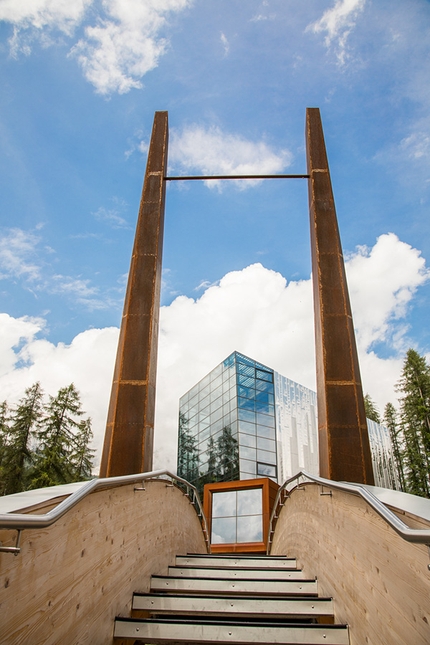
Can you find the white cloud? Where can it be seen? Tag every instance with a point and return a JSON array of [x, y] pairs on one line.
[[225, 44], [121, 45], [210, 151], [337, 24], [111, 216], [125, 44], [17, 255], [392, 271], [58, 14], [254, 311]]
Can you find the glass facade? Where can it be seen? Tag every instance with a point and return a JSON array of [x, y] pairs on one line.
[[243, 421]]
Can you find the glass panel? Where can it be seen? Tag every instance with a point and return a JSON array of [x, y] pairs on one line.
[[260, 406], [204, 391], [264, 431], [247, 392], [266, 470], [244, 475], [265, 397], [248, 453], [216, 415], [264, 386], [246, 415], [248, 404], [250, 528], [246, 369], [245, 380], [247, 466], [223, 530], [247, 440], [246, 426], [216, 426], [244, 359], [216, 403], [266, 444], [224, 504], [268, 457], [266, 420], [265, 376], [250, 501]]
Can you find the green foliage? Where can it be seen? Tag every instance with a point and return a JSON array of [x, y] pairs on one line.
[[414, 385], [44, 444], [371, 409], [390, 420]]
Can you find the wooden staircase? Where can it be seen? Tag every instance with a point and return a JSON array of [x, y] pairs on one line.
[[231, 599]]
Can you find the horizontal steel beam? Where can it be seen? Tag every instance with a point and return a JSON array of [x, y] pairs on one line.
[[217, 177]]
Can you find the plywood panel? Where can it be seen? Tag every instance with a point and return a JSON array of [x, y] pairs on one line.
[[380, 582], [70, 580]]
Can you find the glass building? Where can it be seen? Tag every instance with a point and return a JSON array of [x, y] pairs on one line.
[[243, 420]]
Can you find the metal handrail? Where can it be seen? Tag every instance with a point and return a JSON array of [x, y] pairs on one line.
[[21, 521], [421, 536]]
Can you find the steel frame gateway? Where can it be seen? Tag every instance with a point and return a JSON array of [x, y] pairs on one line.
[[344, 450]]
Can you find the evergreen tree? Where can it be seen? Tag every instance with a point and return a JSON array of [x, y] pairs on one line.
[[4, 434], [24, 423], [59, 441], [188, 456], [227, 456], [372, 412], [82, 456], [415, 422], [390, 420]]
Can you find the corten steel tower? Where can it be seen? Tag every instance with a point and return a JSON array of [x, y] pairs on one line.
[[343, 439], [128, 445], [344, 448]]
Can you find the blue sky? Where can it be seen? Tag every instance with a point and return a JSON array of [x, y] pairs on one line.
[[80, 84]]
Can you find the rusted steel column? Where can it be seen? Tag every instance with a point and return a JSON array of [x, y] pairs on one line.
[[128, 445], [344, 449]]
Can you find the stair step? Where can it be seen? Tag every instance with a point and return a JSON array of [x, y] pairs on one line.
[[242, 561], [232, 605], [220, 585], [236, 574], [161, 631]]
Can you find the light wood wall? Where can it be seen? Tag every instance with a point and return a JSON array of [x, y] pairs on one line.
[[380, 583], [71, 580]]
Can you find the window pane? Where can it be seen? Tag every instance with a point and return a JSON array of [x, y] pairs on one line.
[[247, 404], [266, 420], [265, 376], [223, 530], [250, 501], [247, 440], [266, 444], [267, 457], [247, 466], [246, 426], [246, 415], [224, 504], [264, 431], [266, 470], [246, 369], [247, 381], [250, 529], [247, 392], [264, 386], [248, 453]]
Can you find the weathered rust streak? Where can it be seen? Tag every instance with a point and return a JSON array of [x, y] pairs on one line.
[[342, 427], [128, 444]]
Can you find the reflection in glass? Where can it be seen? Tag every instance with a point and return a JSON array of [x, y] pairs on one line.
[[224, 504], [249, 528], [265, 470], [250, 501]]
